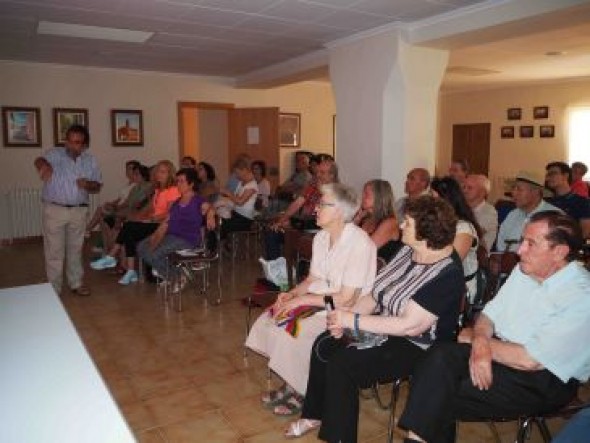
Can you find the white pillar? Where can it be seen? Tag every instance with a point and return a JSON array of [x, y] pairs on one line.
[[386, 94]]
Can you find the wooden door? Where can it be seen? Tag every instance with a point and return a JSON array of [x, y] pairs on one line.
[[471, 142], [255, 131]]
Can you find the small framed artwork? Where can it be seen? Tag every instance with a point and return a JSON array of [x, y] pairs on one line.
[[127, 127], [63, 118], [527, 131], [540, 112], [290, 130], [547, 131], [507, 132], [514, 113], [21, 127]]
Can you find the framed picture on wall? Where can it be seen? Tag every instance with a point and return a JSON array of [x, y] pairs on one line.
[[514, 113], [63, 118], [21, 127], [541, 112], [527, 131], [127, 127], [290, 130], [547, 131], [507, 132]]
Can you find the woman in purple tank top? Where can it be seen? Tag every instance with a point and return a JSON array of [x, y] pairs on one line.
[[182, 229]]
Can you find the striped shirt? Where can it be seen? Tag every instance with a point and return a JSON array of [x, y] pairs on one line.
[[436, 287], [61, 188]]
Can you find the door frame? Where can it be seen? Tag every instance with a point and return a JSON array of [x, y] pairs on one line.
[[180, 105]]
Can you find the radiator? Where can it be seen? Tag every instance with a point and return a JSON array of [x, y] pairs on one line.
[[20, 213]]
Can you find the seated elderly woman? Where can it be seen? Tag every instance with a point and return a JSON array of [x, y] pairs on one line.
[[377, 218], [182, 229], [343, 265], [414, 303]]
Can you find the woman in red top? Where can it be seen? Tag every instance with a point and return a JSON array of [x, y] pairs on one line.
[[144, 223]]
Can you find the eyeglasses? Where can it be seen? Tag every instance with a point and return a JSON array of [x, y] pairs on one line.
[[324, 204]]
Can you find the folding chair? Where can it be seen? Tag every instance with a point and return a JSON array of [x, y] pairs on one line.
[[191, 263]]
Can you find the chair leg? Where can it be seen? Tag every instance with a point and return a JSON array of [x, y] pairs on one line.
[[395, 387], [523, 432], [495, 432], [543, 429]]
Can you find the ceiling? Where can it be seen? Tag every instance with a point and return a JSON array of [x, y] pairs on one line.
[[234, 38]]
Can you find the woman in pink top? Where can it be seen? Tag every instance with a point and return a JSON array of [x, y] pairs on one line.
[[144, 223]]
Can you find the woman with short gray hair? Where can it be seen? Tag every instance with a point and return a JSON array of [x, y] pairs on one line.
[[343, 265]]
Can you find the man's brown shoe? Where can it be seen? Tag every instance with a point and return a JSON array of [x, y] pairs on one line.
[[81, 291]]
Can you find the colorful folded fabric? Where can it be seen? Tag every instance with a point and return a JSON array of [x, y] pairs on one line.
[[291, 321]]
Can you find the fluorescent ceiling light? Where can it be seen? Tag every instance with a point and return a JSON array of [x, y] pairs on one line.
[[94, 32]]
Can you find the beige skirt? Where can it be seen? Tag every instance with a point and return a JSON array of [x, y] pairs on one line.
[[288, 356]]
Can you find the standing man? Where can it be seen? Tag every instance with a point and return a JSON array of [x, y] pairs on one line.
[[526, 353], [558, 179], [476, 189], [417, 182], [528, 198], [69, 174]]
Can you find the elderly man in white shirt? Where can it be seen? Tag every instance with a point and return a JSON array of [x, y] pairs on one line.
[[476, 189], [528, 197]]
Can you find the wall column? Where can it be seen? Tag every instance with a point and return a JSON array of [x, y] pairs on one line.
[[386, 94]]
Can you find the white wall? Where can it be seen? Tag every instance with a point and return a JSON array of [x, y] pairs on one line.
[[99, 90], [508, 156]]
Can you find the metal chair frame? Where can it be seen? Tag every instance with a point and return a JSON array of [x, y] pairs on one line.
[[190, 265]]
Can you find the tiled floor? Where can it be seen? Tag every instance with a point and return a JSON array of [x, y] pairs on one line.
[[182, 377]]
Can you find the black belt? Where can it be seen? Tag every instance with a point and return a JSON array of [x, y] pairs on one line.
[[81, 205]]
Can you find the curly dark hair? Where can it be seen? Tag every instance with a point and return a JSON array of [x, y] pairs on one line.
[[435, 219], [448, 189], [210, 170], [262, 165]]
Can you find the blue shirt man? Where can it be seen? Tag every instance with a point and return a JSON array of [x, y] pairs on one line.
[[69, 174]]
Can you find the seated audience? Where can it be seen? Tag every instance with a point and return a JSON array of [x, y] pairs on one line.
[[304, 206], [417, 182], [343, 265], [579, 186], [558, 178], [207, 185], [136, 202], [459, 170], [468, 231], [476, 189], [315, 160], [106, 212], [528, 349], [181, 229], [188, 162], [414, 304], [300, 178], [528, 198], [243, 199], [142, 224], [259, 171], [233, 181], [376, 218]]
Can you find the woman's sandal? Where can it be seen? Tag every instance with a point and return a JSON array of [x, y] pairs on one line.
[[299, 428], [290, 406], [274, 398]]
